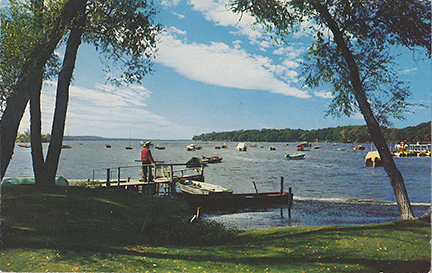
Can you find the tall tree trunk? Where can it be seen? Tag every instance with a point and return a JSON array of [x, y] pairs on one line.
[[17, 102], [395, 177], [62, 98], [9, 124], [36, 130]]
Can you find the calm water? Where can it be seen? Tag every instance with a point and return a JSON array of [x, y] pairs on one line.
[[322, 182]]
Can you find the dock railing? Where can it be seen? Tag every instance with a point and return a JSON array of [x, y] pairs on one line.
[[161, 176]]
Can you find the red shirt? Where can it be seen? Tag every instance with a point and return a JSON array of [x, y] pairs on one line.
[[146, 156]]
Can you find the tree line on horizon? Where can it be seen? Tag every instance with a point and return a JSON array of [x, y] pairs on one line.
[[341, 134]]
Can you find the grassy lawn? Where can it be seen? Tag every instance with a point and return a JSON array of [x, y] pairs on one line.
[[77, 229]]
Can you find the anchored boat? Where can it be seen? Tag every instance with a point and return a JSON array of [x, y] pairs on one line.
[[201, 188], [296, 155]]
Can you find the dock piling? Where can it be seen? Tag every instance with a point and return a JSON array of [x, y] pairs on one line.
[[290, 199], [108, 183]]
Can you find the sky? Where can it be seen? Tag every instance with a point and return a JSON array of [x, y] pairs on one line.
[[213, 73]]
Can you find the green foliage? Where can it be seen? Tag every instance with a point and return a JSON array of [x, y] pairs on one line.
[[23, 26], [83, 218], [25, 137], [126, 35], [356, 134], [369, 29], [70, 229]]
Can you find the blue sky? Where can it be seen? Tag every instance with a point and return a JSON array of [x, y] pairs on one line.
[[212, 73]]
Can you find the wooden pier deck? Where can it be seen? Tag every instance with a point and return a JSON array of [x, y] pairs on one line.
[[162, 180]]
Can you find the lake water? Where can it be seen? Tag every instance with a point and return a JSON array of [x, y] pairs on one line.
[[331, 187]]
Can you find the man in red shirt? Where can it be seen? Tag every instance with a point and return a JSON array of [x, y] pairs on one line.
[[147, 158]]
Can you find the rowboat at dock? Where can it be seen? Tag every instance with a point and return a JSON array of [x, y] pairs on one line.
[[214, 197], [201, 188], [232, 201]]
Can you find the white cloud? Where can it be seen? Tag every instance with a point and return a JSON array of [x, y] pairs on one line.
[[323, 94], [179, 16], [169, 3], [105, 111], [408, 71], [217, 12], [222, 65]]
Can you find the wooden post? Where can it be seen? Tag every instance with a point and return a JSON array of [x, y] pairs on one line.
[[290, 199], [108, 184], [118, 176], [172, 182], [282, 186], [256, 190]]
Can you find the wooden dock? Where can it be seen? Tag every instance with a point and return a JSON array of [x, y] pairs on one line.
[[162, 180]]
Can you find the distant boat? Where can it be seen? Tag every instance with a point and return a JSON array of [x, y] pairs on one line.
[[211, 159], [241, 147], [373, 159], [303, 146], [107, 146], [130, 141], [316, 145], [359, 147], [24, 145], [193, 147], [272, 148], [158, 147], [296, 155]]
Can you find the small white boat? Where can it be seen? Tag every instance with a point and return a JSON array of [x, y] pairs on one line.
[[296, 155], [373, 159], [241, 147], [24, 145], [201, 188], [193, 147]]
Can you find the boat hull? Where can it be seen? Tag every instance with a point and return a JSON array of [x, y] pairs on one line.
[[296, 156], [230, 201]]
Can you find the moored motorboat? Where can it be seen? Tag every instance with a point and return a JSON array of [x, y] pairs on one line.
[[359, 148], [241, 147], [24, 145], [211, 159], [272, 148], [193, 147], [373, 159], [303, 146], [296, 155]]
